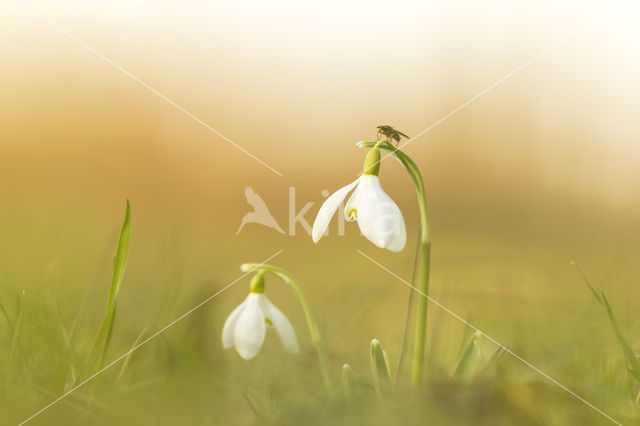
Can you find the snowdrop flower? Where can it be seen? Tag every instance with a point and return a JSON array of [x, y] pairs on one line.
[[246, 326], [378, 217]]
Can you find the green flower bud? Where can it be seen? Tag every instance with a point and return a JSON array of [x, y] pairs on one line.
[[372, 162], [379, 369], [257, 283]]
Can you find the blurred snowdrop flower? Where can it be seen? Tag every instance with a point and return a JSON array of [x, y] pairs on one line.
[[246, 326], [378, 216]]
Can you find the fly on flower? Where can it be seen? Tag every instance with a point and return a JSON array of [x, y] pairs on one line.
[[391, 133], [378, 216], [246, 327]]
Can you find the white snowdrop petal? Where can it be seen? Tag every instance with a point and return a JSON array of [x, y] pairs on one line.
[[282, 326], [399, 239], [328, 209], [367, 221], [379, 218], [230, 326], [250, 328]]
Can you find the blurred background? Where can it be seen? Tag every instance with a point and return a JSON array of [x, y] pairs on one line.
[[538, 171]]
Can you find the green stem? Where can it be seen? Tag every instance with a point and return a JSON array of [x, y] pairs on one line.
[[425, 253], [317, 340], [407, 319]]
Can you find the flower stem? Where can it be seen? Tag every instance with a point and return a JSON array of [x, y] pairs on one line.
[[425, 253], [316, 338], [421, 315], [407, 320]]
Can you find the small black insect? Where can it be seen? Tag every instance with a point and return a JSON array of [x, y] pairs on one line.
[[391, 133]]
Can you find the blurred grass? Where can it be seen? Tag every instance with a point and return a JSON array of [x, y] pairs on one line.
[[185, 376]]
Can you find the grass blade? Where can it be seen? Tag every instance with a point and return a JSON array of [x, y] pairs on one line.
[[634, 365], [104, 260], [379, 369], [101, 343], [122, 256], [127, 359], [586, 281], [632, 360], [349, 384], [257, 404], [469, 357]]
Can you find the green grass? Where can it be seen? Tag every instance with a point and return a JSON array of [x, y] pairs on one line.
[[633, 365], [184, 376], [103, 338]]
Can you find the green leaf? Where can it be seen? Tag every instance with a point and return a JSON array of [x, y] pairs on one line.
[[82, 308], [634, 365], [379, 369], [120, 261], [349, 384], [586, 281], [103, 337], [632, 359], [469, 357], [127, 359]]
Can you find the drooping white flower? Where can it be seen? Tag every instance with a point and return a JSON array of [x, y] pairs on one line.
[[246, 326], [378, 216]]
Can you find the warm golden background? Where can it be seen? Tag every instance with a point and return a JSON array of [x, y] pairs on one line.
[[540, 170]]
